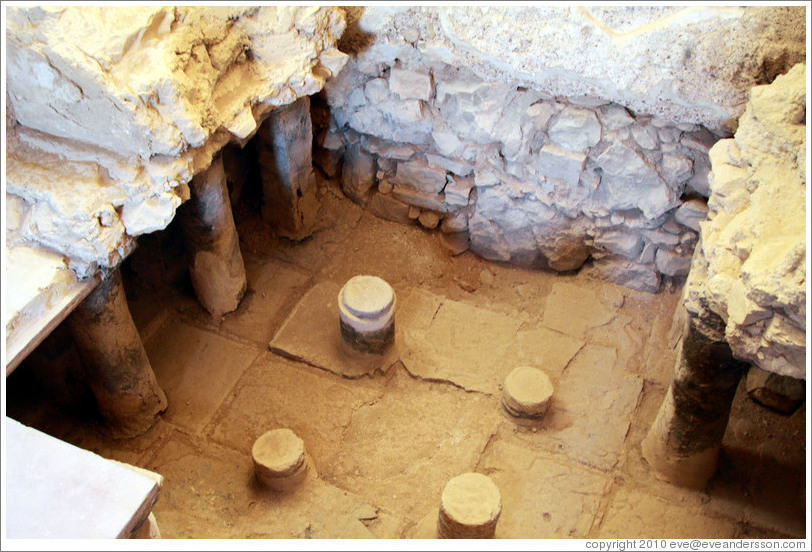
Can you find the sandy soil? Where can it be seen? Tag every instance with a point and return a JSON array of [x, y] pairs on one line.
[[384, 440]]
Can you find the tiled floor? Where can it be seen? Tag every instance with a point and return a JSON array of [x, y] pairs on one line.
[[383, 444]]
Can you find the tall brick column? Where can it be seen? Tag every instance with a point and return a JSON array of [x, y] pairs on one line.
[[115, 364], [216, 264], [284, 146]]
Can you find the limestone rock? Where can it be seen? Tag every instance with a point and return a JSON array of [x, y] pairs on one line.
[[752, 271], [429, 219], [575, 129], [358, 174], [630, 181], [389, 208], [410, 84], [629, 273], [676, 169], [672, 264], [458, 191], [376, 90], [419, 175], [560, 163], [691, 213], [139, 100], [456, 166]]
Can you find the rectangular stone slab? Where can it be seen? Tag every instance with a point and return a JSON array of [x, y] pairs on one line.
[[57, 490], [312, 334], [436, 338]]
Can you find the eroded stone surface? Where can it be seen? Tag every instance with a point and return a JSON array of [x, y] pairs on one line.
[[566, 166], [752, 271], [469, 507], [140, 99]]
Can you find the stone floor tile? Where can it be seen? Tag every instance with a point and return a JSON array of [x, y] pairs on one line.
[[635, 513], [221, 484], [400, 451], [312, 334], [272, 286], [589, 422], [279, 393], [196, 369], [542, 498], [572, 309]]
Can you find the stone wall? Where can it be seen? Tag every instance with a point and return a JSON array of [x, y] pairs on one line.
[[547, 136], [111, 111]]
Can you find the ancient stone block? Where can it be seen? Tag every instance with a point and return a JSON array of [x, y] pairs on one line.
[[409, 84], [671, 263], [419, 175], [358, 173], [455, 222], [575, 129], [388, 207], [387, 149], [456, 166], [446, 142], [370, 120], [691, 213], [630, 181], [429, 219], [627, 244], [458, 190], [629, 273], [420, 199], [376, 90], [646, 136], [676, 169], [701, 140], [560, 163], [403, 113], [614, 116]]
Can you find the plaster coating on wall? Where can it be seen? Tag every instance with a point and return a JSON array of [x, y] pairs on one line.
[[113, 110], [682, 64]]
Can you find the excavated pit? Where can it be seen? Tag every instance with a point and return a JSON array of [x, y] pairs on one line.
[[385, 440]]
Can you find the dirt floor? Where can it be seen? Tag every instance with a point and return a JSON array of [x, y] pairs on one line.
[[385, 435]]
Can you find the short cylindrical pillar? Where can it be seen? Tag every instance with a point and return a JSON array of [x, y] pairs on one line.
[[216, 264], [115, 363], [366, 307], [683, 444], [526, 393], [280, 461], [469, 508]]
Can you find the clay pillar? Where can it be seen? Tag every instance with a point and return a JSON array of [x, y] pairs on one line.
[[115, 364], [216, 265], [683, 444], [284, 146]]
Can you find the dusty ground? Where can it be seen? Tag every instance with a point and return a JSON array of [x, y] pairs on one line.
[[385, 440]]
